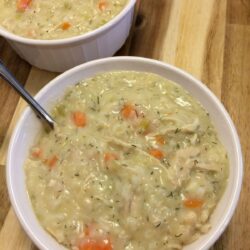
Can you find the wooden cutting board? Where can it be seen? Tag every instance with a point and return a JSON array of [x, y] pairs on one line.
[[208, 38]]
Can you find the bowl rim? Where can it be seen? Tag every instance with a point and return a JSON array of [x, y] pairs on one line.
[[74, 39], [239, 158]]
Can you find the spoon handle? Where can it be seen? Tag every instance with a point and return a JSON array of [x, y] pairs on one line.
[[41, 113]]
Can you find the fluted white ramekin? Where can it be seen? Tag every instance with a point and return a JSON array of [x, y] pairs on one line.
[[29, 127], [62, 54]]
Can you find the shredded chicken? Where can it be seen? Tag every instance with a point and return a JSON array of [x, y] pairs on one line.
[[182, 164], [207, 166], [192, 127], [137, 148]]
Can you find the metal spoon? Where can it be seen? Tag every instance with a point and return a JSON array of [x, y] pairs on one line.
[[41, 113]]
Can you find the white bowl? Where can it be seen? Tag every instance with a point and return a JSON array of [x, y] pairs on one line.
[[62, 54], [28, 128]]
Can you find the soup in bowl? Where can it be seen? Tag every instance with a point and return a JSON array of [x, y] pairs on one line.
[[135, 161], [59, 35], [46, 20]]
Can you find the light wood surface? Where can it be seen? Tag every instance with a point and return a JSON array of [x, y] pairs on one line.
[[208, 38]]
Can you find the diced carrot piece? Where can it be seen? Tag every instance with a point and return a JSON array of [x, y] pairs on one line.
[[156, 153], [96, 244], [79, 119], [193, 203], [129, 112], [102, 5], [65, 25], [37, 153], [110, 157], [51, 162], [160, 139], [22, 5]]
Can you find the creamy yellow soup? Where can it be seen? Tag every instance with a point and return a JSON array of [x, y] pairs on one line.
[[46, 19], [134, 163]]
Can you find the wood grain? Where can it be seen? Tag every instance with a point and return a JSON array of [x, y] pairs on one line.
[[239, 12], [147, 37], [12, 236], [236, 96], [213, 60], [5, 203], [209, 39]]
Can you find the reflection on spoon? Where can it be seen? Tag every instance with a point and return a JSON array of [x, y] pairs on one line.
[[41, 113]]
